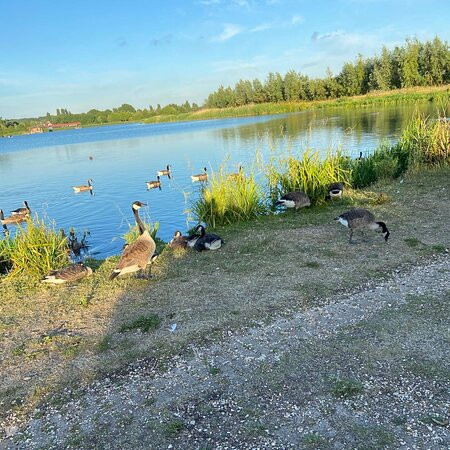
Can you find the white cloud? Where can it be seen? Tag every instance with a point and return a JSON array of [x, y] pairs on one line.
[[297, 19], [262, 27], [228, 32], [209, 2]]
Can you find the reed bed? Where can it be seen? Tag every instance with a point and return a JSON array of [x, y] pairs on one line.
[[424, 143], [35, 250], [309, 173], [229, 198]]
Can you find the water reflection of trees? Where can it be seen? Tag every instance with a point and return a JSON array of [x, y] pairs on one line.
[[384, 122]]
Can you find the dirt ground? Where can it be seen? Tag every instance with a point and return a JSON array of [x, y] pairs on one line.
[[326, 388]]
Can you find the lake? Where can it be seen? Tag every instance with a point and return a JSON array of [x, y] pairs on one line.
[[42, 168]]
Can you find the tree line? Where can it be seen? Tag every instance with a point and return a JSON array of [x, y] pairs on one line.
[[413, 64]]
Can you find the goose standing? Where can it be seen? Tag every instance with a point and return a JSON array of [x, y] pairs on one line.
[[22, 211], [361, 219], [178, 241], [136, 255], [165, 171], [74, 272], [207, 241], [83, 188], [294, 199], [154, 184], [200, 176]]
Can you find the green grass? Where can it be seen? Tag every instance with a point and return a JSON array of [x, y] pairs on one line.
[[143, 323], [174, 428], [35, 250], [346, 387], [227, 199], [308, 173]]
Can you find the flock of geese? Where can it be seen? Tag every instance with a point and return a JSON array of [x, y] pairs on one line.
[[141, 253]]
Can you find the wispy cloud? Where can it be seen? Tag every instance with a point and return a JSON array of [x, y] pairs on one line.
[[297, 18], [166, 39], [316, 36], [209, 2], [229, 31], [262, 27]]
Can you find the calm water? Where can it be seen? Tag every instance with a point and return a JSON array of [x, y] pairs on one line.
[[42, 168]]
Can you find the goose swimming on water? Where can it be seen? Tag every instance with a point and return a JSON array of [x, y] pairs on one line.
[[165, 171], [200, 176], [154, 184], [136, 255], [21, 211], [362, 219], [83, 188], [12, 220]]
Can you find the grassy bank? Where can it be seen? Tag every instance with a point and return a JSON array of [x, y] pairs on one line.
[[438, 95], [52, 337]]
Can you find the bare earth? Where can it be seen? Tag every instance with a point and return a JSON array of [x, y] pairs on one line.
[[368, 370]]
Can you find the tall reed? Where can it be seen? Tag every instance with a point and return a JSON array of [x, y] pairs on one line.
[[35, 249], [229, 198], [308, 173]]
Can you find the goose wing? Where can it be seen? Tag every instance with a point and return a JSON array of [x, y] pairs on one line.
[[137, 254], [73, 272]]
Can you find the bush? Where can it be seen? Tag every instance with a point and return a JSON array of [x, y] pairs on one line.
[[228, 199]]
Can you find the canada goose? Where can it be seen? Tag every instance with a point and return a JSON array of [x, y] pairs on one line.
[[178, 241], [21, 211], [11, 220], [207, 241], [91, 157], [136, 255], [154, 184], [361, 157], [295, 199], [237, 175], [74, 272], [75, 245], [165, 171], [361, 219], [83, 188], [200, 176], [335, 190]]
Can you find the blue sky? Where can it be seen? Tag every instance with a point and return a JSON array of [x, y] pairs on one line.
[[100, 54]]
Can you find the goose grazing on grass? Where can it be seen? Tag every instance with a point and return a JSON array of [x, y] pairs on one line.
[[136, 255], [12, 220], [207, 241], [200, 176], [335, 190], [295, 199], [165, 171], [154, 184], [178, 241], [22, 211], [361, 219], [74, 272], [83, 188]]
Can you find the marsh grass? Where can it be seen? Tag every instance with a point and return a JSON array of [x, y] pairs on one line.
[[35, 250], [228, 199], [308, 173]]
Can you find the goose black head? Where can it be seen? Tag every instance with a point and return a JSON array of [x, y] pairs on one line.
[[138, 205], [26, 204], [168, 167], [204, 168], [384, 230], [201, 229], [177, 234], [90, 182]]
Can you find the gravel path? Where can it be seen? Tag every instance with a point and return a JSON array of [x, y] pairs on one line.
[[368, 370]]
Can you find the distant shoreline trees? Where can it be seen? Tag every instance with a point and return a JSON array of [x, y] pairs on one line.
[[412, 64]]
